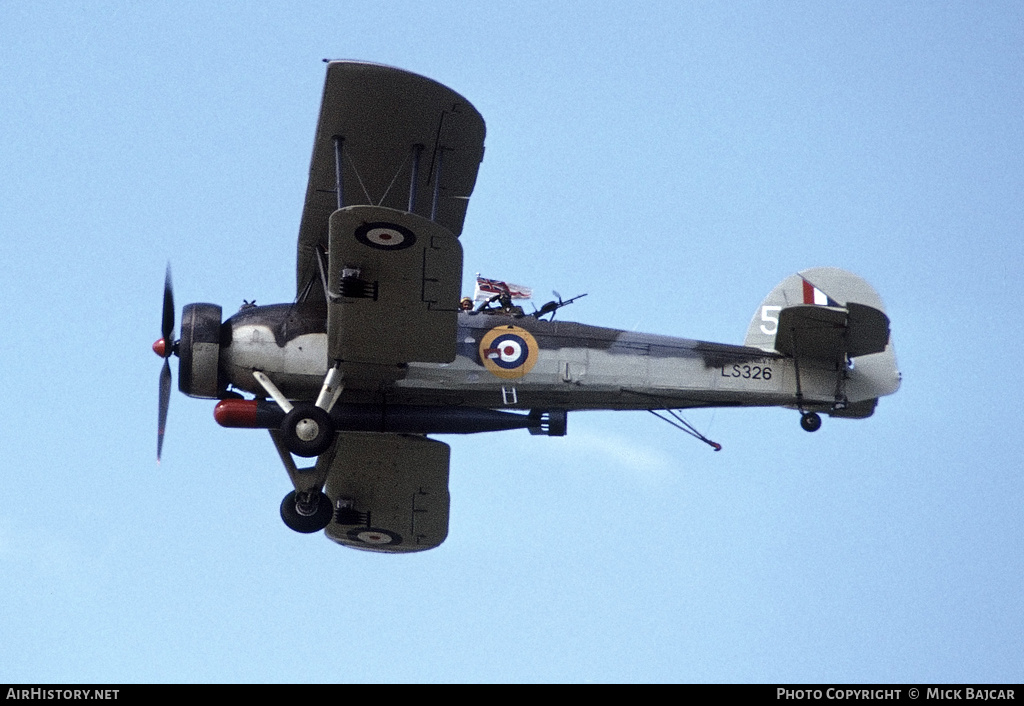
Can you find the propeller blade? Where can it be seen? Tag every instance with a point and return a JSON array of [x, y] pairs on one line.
[[167, 325], [165, 401]]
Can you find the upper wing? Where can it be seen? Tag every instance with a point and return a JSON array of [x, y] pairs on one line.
[[405, 142]]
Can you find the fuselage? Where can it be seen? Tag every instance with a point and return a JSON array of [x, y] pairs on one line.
[[520, 362]]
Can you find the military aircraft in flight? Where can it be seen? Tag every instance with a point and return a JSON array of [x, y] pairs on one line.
[[377, 353]]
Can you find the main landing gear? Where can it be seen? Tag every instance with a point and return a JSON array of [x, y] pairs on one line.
[[307, 429], [307, 512]]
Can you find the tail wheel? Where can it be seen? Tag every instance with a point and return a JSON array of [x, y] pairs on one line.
[[306, 512], [308, 430], [810, 421]]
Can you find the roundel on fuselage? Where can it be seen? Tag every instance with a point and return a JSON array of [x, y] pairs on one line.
[[508, 352]]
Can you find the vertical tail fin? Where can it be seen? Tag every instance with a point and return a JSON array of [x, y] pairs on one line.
[[826, 312]]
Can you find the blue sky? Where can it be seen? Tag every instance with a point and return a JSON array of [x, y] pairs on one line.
[[675, 161]]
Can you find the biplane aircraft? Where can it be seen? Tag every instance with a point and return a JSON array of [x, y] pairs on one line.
[[375, 355]]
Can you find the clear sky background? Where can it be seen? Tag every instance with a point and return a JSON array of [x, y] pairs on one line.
[[675, 161]]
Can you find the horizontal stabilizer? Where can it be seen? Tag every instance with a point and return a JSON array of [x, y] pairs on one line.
[[856, 410], [869, 330], [809, 331], [831, 333]]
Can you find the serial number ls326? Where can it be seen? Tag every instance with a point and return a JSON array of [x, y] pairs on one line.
[[747, 372]]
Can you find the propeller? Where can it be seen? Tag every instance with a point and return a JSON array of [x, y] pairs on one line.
[[165, 348]]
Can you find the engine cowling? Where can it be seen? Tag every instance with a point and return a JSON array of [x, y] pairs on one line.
[[199, 351]]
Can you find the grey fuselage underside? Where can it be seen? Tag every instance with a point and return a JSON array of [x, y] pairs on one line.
[[577, 367]]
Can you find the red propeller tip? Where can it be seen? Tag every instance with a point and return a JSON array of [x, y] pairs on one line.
[[160, 348]]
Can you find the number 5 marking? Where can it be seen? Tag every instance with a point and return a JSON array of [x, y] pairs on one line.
[[768, 316]]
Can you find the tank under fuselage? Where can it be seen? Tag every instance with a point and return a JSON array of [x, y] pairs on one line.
[[524, 363]]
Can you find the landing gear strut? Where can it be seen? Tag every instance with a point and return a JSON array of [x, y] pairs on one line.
[[810, 421], [307, 429], [306, 512]]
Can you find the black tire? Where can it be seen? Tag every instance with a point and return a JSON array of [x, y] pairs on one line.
[[810, 421], [306, 524], [308, 430]]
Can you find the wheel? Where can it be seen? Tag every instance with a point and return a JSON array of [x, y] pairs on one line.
[[308, 430], [810, 421], [309, 514]]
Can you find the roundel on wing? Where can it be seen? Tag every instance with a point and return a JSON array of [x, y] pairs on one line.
[[385, 236], [508, 352], [373, 536]]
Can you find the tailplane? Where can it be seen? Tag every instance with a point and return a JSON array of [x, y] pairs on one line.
[[827, 315]]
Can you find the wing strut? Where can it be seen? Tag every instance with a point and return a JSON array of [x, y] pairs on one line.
[[417, 150], [321, 257], [437, 184], [338, 183]]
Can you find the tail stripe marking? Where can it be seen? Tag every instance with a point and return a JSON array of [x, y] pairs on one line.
[[813, 295]]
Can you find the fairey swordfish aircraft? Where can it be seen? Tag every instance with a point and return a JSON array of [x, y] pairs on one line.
[[376, 354]]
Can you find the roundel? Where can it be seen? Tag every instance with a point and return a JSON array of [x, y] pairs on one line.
[[385, 236], [374, 536], [508, 351]]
